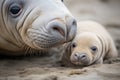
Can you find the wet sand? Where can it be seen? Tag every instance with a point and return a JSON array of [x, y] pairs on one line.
[[106, 12]]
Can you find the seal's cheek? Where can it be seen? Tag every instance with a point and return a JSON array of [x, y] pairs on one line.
[[95, 54]]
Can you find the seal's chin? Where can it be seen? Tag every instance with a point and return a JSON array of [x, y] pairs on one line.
[[85, 62], [78, 63]]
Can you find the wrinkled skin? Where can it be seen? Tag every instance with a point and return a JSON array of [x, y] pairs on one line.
[[34, 25], [91, 45]]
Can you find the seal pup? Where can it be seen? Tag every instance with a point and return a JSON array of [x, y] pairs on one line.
[[91, 45]]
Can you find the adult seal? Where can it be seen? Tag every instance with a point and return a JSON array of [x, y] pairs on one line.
[[91, 45], [28, 26]]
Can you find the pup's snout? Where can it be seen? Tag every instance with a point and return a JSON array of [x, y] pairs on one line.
[[80, 58]]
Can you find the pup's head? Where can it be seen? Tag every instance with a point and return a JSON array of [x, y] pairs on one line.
[[85, 49]]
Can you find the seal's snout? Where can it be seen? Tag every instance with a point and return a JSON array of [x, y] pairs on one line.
[[56, 27], [48, 25], [80, 58], [62, 29]]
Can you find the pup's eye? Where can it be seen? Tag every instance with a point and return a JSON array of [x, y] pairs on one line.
[[62, 0], [94, 48], [15, 10], [73, 45]]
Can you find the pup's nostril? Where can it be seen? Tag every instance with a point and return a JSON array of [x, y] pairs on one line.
[[75, 55], [82, 56], [60, 30]]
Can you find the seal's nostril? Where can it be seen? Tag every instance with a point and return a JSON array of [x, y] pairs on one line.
[[74, 23], [57, 28], [82, 56], [60, 30], [75, 55]]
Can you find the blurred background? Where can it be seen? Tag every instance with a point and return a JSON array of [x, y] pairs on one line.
[[106, 12]]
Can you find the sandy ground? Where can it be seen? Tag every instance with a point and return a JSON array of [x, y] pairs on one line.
[[106, 12]]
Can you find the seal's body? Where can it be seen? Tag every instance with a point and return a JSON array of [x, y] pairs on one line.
[[29, 25], [92, 44]]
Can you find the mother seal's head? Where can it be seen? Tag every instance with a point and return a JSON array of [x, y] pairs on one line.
[[39, 24]]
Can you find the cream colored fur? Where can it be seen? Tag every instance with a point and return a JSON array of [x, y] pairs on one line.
[[90, 33]]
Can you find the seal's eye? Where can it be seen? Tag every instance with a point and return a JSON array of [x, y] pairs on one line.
[[94, 48], [73, 45], [62, 0], [15, 10]]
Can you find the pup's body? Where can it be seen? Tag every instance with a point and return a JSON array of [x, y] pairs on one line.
[[92, 44]]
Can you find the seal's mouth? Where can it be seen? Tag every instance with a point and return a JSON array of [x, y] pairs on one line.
[[79, 63]]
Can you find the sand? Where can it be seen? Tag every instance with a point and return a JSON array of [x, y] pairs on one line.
[[48, 67]]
